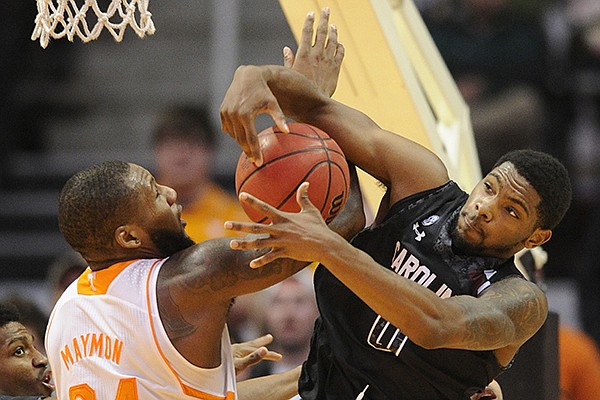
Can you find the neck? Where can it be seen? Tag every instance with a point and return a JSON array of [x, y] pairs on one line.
[[100, 264]]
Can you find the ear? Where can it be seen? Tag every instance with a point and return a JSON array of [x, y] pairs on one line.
[[127, 237], [538, 238]]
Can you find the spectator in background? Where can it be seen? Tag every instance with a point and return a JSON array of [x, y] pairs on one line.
[[24, 370], [32, 316], [497, 58], [290, 313], [579, 364], [184, 144]]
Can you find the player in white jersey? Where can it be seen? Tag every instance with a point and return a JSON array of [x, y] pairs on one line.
[[148, 317], [107, 325]]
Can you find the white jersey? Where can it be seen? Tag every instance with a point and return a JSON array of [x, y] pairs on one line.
[[105, 341]]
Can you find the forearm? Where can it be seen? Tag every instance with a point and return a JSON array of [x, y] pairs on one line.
[[273, 387], [415, 310], [507, 314], [389, 157], [299, 99]]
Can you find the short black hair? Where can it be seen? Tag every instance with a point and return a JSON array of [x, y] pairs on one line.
[[93, 203], [8, 313], [549, 178], [185, 121], [30, 314]]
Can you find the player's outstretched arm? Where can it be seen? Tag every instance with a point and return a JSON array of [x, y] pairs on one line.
[[405, 166], [507, 314], [301, 90], [318, 59]]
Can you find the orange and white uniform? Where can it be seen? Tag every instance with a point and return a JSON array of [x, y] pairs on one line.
[[105, 341]]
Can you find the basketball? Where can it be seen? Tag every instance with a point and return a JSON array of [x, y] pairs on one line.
[[305, 154]]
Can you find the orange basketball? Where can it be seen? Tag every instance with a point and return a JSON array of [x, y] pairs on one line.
[[305, 154]]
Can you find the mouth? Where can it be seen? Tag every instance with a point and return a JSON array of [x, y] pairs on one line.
[[470, 225], [181, 220], [47, 381]]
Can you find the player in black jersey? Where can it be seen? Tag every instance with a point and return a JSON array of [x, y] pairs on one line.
[[426, 303]]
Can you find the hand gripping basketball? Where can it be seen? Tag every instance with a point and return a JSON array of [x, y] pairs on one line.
[[305, 154], [296, 235]]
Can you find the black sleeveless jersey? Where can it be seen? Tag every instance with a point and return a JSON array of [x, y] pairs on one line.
[[356, 354]]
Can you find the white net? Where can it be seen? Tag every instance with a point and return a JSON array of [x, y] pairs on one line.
[[60, 18]]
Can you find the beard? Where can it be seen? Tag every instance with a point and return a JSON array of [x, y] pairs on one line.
[[169, 242], [463, 247]]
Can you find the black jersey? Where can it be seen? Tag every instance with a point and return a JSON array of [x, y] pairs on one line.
[[356, 354]]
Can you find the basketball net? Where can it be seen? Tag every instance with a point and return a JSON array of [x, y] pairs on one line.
[[59, 18]]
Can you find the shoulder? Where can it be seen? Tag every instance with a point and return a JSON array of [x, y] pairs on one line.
[[515, 288]]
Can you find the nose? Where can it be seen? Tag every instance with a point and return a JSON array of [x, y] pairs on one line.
[[484, 210], [39, 360], [170, 194]]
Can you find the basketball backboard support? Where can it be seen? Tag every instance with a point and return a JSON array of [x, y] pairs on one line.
[[394, 73]]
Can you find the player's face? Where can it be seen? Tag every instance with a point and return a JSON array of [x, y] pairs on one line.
[[24, 370], [500, 216], [159, 214]]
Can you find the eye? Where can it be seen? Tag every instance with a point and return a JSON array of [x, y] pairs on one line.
[[19, 351], [488, 187], [512, 212]]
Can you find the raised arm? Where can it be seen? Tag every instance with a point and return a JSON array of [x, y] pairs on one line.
[[399, 163]]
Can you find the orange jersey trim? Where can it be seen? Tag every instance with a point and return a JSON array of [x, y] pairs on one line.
[[190, 391], [92, 283]]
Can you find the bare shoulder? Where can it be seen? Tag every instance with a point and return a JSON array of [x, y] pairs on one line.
[[201, 281], [195, 290], [207, 265]]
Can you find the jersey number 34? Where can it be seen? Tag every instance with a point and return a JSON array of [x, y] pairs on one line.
[[127, 390]]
